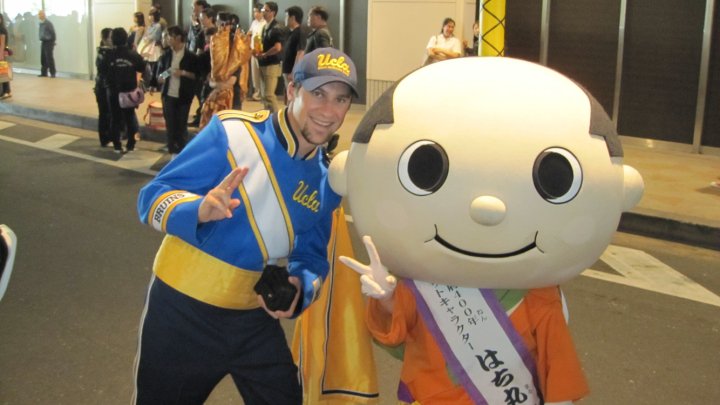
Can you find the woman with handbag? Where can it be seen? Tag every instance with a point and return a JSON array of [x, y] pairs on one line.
[[5, 93], [150, 47], [121, 69]]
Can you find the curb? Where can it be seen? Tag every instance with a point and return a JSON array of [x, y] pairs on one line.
[[687, 233], [73, 120]]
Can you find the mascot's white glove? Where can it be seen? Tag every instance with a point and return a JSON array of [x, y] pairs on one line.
[[375, 279]]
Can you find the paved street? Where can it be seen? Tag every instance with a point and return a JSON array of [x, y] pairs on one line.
[[646, 318]]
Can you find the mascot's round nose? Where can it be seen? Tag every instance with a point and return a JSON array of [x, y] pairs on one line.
[[487, 210]]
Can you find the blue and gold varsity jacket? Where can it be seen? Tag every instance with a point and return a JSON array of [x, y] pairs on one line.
[[285, 211]]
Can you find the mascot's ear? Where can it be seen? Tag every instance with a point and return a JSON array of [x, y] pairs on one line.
[[337, 175], [634, 187]]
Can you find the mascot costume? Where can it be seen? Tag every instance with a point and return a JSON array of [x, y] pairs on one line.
[[484, 183]]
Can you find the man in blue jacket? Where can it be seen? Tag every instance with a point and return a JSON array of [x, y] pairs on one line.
[[248, 192]]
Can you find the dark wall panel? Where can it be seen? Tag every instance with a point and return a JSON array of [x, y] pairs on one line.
[[663, 42], [583, 42], [522, 29], [711, 130], [356, 40]]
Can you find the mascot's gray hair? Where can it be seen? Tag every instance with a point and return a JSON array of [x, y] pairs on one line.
[[382, 112]]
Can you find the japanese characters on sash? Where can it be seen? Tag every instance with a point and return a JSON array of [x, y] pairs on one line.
[[476, 204]]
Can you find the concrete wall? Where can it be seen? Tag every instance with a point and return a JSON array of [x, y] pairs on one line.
[[398, 32], [114, 13]]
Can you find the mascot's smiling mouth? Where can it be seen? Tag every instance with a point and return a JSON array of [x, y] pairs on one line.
[[454, 248]]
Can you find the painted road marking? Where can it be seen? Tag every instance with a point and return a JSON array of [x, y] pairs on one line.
[[57, 141], [5, 124], [140, 160], [640, 270], [66, 152]]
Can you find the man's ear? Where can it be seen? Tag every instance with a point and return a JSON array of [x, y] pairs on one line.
[[290, 91], [337, 175], [633, 189]]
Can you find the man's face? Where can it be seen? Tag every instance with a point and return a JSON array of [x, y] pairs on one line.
[[173, 41], [41, 15], [314, 20], [319, 113], [267, 13], [492, 183], [196, 9], [205, 20]]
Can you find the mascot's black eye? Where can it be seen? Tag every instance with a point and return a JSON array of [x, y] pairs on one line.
[[423, 168], [557, 175]]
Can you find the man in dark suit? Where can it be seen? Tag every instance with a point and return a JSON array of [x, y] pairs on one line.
[[177, 73]]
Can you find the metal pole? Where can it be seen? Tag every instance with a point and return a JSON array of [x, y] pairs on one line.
[[544, 31], [341, 45], [703, 79], [91, 42], [619, 61]]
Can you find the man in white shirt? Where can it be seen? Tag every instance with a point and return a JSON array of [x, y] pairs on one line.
[[178, 71], [256, 28]]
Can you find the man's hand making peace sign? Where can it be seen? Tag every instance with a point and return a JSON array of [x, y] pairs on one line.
[[218, 203]]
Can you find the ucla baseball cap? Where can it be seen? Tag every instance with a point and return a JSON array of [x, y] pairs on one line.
[[323, 66]]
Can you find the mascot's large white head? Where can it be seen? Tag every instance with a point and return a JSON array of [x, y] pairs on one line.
[[486, 172]]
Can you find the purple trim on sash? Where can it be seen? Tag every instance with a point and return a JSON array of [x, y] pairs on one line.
[[452, 361], [403, 393], [511, 332]]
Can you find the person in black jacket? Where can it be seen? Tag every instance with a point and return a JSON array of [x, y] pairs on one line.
[[47, 37], [177, 74], [101, 88], [121, 69]]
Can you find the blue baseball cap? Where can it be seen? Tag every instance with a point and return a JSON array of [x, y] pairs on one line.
[[325, 65]]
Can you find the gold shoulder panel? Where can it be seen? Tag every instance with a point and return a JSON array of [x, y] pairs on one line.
[[257, 116]]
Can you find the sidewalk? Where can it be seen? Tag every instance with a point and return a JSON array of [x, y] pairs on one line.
[[679, 204]]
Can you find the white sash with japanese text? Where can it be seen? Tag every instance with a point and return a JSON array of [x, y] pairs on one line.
[[479, 343]]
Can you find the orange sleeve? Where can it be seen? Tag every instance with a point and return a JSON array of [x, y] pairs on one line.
[[392, 329], [559, 370]]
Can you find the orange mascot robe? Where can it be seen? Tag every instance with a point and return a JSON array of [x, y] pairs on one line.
[[538, 319]]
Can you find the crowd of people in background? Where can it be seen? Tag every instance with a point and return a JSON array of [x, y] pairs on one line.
[[276, 43], [178, 62], [182, 65]]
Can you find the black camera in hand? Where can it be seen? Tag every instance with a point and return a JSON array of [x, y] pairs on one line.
[[275, 288]]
